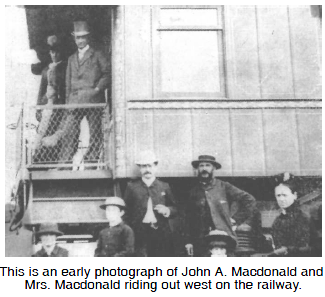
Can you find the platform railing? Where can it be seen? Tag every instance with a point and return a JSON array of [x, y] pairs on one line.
[[68, 137], [19, 150]]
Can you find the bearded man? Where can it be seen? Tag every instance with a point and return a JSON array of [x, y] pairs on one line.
[[209, 207]]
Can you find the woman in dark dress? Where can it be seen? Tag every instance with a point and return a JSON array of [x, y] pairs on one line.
[[291, 229]]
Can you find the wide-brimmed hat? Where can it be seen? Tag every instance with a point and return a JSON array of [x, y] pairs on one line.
[[49, 228], [81, 28], [146, 157], [206, 158], [221, 238], [117, 201]]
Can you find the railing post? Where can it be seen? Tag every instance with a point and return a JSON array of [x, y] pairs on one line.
[[118, 91]]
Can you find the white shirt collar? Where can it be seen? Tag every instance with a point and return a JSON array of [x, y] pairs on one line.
[[83, 50], [148, 182], [54, 64], [115, 223]]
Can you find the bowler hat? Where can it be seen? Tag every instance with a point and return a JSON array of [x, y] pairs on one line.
[[208, 159], [49, 228], [80, 28], [221, 238], [146, 157], [117, 201]]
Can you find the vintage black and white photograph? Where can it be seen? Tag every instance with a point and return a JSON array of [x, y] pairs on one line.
[[163, 131]]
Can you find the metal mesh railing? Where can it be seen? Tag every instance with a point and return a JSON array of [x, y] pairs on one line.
[[69, 136]]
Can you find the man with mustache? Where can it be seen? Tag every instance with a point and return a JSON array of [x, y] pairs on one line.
[[87, 78], [209, 204], [149, 205]]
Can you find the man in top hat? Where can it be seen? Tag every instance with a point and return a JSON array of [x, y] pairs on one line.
[[150, 204], [51, 92], [208, 206], [48, 232], [87, 77], [117, 240]]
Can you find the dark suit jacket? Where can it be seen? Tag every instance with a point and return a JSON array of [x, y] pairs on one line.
[[60, 81], [209, 206], [136, 198], [117, 241], [84, 76]]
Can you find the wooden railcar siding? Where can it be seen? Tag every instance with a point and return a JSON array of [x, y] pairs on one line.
[[247, 138], [252, 142], [306, 53], [270, 54], [242, 56], [276, 77], [309, 123], [211, 131], [138, 53]]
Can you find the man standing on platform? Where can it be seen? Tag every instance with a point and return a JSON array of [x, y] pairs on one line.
[[87, 77]]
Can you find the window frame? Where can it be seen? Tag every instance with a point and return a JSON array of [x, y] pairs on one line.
[[157, 29]]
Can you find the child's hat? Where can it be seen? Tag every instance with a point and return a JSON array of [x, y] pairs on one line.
[[221, 238], [49, 228], [113, 201]]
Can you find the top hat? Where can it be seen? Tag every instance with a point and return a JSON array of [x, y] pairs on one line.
[[208, 159], [221, 238], [117, 201], [80, 28], [146, 157], [49, 228]]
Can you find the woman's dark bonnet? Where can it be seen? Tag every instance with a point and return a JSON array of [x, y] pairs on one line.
[[288, 180]]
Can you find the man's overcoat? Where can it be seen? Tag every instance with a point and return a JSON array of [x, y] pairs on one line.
[[136, 198], [210, 206], [83, 76]]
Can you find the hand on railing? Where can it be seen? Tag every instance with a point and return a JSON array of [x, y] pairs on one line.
[[37, 141], [51, 141]]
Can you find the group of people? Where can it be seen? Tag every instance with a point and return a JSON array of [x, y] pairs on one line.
[[82, 79], [138, 224]]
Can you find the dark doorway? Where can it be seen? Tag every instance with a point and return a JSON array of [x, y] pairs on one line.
[[46, 20]]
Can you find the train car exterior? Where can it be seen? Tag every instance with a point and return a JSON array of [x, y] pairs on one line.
[[243, 83]]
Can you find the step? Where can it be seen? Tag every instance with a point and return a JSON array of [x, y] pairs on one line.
[[71, 210], [69, 174]]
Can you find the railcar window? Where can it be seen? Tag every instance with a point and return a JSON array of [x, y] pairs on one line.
[[188, 50]]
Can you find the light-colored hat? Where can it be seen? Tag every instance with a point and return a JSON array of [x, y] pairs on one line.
[[49, 228], [146, 157], [113, 201], [80, 28]]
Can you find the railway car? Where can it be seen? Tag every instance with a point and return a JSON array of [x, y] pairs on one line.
[[242, 83]]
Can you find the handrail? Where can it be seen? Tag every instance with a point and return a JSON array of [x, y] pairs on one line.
[[69, 106]]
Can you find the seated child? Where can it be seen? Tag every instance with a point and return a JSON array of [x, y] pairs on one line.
[[117, 240], [48, 232], [220, 243]]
